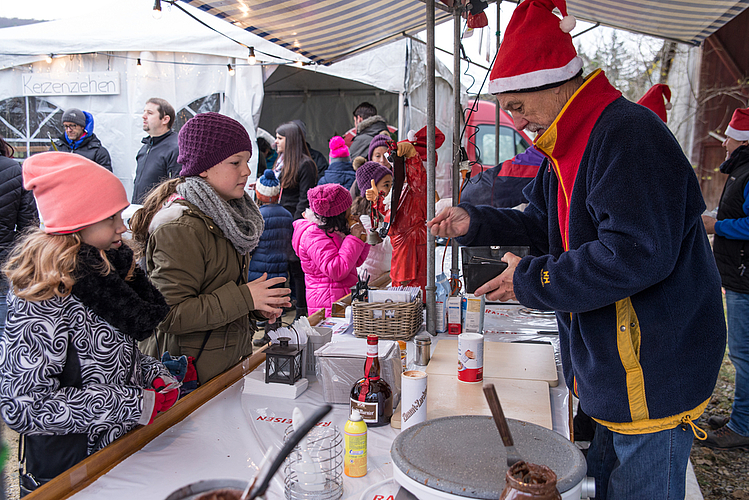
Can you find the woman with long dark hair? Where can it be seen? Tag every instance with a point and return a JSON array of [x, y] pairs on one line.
[[298, 174]]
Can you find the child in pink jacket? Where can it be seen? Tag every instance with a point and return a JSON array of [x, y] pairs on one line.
[[330, 245]]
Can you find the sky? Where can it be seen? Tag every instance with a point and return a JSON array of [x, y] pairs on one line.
[[475, 46]]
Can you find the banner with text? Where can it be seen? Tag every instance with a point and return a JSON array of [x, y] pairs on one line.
[[47, 84]]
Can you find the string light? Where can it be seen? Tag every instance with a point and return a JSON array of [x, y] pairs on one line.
[[49, 58], [299, 63], [251, 59], [157, 9], [138, 63], [231, 70]]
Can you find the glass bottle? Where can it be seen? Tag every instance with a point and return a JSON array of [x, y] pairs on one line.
[[371, 395]]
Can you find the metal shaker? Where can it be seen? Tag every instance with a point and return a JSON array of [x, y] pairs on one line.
[[423, 349]]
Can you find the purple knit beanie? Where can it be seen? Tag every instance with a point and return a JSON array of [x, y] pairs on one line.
[[377, 141], [207, 139], [329, 200], [368, 172]]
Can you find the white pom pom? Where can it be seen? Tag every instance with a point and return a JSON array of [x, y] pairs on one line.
[[567, 24], [411, 136], [669, 105]]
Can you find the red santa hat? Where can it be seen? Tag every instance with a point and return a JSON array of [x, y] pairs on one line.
[[537, 50], [653, 100], [738, 129]]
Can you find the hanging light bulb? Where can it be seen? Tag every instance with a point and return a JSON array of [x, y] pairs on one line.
[[251, 59], [156, 9], [49, 58], [138, 63], [299, 63], [231, 70]]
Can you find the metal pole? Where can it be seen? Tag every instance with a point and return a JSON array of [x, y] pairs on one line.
[[496, 108], [431, 161], [457, 111]]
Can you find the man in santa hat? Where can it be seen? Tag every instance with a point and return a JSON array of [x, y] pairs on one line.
[[731, 248], [618, 250]]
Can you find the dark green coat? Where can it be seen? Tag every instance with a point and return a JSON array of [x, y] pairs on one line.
[[203, 278]]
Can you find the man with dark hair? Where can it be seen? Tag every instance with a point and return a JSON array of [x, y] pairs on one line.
[[157, 159], [617, 249], [368, 124], [78, 137]]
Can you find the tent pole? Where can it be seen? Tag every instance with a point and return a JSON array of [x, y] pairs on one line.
[[496, 108], [457, 112], [431, 157]]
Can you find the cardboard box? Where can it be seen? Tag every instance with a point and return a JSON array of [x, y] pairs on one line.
[[340, 364], [473, 313]]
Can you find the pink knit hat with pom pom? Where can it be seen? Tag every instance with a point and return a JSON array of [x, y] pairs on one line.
[[338, 148], [329, 200]]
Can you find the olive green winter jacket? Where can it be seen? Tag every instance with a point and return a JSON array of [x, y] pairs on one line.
[[203, 278]]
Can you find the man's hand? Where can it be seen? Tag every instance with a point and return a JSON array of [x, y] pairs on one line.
[[450, 223], [269, 301], [371, 194], [709, 223], [501, 288]]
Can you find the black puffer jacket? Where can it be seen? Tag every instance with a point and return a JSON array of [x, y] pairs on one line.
[[157, 161], [17, 206], [90, 148]]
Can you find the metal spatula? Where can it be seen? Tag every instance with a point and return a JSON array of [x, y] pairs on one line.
[[499, 419]]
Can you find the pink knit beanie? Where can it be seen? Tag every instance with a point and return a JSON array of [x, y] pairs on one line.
[[338, 148], [71, 191], [207, 139], [370, 171], [329, 200]]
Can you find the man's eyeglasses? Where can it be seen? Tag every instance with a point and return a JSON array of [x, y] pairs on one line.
[[71, 127]]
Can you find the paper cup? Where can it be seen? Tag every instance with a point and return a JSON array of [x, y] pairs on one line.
[[470, 357], [413, 398]]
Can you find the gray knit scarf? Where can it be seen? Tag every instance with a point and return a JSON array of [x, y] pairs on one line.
[[240, 219]]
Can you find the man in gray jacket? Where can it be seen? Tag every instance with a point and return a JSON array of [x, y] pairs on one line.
[[157, 159]]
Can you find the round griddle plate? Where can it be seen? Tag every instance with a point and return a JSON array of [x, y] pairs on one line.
[[464, 455]]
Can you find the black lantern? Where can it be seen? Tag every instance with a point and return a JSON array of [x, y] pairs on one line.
[[283, 364]]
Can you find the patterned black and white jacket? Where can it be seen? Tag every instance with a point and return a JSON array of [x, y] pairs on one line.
[[71, 373]]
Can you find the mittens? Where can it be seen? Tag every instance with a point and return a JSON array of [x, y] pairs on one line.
[[406, 149], [163, 400]]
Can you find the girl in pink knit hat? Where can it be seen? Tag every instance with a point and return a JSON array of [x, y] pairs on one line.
[[72, 378], [330, 244]]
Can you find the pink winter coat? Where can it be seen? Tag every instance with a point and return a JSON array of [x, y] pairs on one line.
[[329, 263]]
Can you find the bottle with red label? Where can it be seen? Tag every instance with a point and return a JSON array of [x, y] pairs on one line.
[[371, 395]]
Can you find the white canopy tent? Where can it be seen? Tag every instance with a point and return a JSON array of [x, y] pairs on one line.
[[174, 58]]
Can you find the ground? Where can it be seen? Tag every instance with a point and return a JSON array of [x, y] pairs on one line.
[[722, 475]]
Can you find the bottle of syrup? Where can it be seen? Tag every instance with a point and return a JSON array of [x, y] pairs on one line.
[[371, 395]]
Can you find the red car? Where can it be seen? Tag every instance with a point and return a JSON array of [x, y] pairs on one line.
[[480, 135]]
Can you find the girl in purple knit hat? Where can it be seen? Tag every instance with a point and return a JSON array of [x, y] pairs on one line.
[[196, 233], [330, 244]]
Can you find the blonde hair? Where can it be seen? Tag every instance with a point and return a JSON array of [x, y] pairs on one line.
[[141, 219], [42, 265]]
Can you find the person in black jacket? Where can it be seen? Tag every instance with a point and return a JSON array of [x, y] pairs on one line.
[[298, 174], [157, 159], [17, 212], [79, 138], [731, 249], [317, 157]]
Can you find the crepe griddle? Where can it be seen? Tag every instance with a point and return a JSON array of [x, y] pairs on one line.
[[464, 455]]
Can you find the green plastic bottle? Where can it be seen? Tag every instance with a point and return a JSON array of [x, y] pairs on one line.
[[355, 441]]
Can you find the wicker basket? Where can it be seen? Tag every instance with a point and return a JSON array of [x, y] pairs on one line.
[[389, 320]]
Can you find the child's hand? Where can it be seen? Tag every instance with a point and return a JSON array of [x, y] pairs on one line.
[[371, 194], [357, 230], [269, 301]]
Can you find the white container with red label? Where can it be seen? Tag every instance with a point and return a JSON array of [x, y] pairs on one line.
[[470, 357]]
